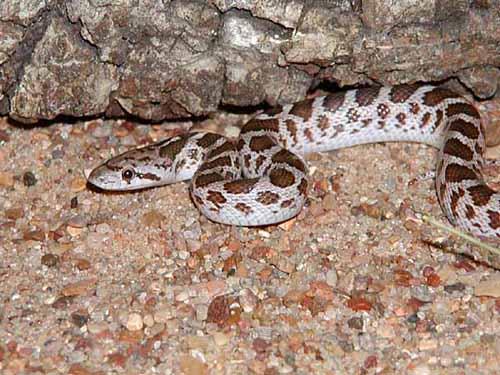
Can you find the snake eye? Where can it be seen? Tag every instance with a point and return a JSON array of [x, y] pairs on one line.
[[128, 174]]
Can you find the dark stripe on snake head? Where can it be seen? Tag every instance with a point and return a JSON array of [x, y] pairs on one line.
[[281, 177], [456, 148], [401, 93], [171, 149], [367, 96], [303, 109], [148, 176]]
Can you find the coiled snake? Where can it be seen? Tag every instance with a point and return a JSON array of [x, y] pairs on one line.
[[262, 179]]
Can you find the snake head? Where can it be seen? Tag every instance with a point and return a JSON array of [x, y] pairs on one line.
[[136, 169]]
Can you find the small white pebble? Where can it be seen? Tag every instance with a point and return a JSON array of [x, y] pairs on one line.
[[331, 277], [103, 228], [183, 254], [134, 322], [182, 296]]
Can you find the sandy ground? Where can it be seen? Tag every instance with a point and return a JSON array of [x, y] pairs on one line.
[[140, 283]]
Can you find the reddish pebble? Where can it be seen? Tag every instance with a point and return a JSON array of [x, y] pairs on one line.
[[433, 280], [117, 359], [427, 271], [359, 304], [414, 304], [402, 278], [370, 361]]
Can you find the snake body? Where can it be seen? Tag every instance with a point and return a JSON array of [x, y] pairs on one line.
[[262, 179]]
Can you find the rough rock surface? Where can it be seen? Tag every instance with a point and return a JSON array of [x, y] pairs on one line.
[[173, 59]]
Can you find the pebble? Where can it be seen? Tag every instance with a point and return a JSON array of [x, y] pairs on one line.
[[489, 287], [78, 184], [74, 231], [248, 300], [79, 287], [153, 218], [220, 338], [29, 179], [163, 314], [134, 322], [331, 277], [103, 228], [77, 221], [14, 213], [6, 179], [201, 312], [427, 344], [50, 260], [103, 131]]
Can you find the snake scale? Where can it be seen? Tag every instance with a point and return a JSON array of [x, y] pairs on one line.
[[261, 178]]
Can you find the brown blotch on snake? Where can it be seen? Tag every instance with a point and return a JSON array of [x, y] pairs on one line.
[[437, 95], [456, 148], [334, 101], [367, 96], [303, 109], [460, 108], [261, 143], [261, 124], [281, 177], [480, 194], [465, 128], [216, 198], [401, 93], [241, 186], [268, 197], [285, 156], [458, 173], [207, 179]]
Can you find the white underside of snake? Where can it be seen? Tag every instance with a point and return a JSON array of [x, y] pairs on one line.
[[262, 179]]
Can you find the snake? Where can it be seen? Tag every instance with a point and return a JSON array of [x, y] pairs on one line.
[[261, 177]]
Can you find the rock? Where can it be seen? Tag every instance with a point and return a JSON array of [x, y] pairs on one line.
[[489, 287], [134, 322]]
